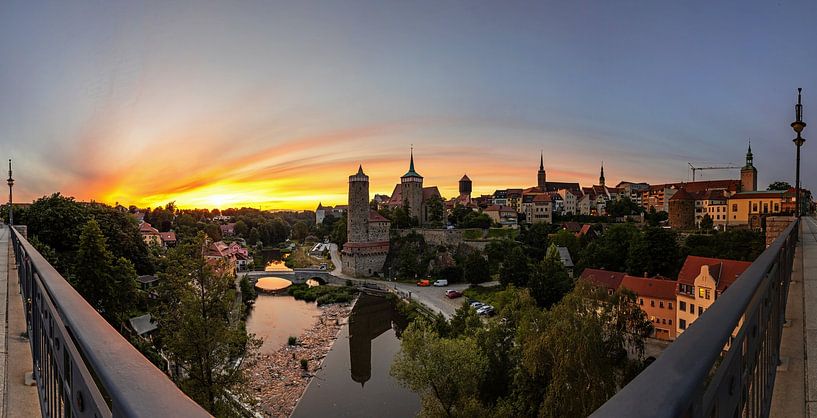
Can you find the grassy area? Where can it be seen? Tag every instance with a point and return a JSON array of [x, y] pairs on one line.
[[300, 258], [472, 234], [499, 233], [323, 295]]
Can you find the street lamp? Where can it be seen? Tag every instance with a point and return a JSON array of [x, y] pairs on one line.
[[798, 126], [10, 182]]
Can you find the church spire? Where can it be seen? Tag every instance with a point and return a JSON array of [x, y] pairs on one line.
[[411, 163], [541, 161], [411, 172], [749, 156], [601, 176]]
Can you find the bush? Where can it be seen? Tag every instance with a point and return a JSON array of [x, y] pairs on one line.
[[305, 364], [322, 294], [292, 340]]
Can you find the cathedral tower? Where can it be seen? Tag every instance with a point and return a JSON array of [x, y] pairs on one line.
[[748, 174], [412, 189], [601, 176], [541, 182], [357, 219], [465, 186]]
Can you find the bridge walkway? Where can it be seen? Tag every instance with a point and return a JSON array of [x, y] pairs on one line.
[[18, 398], [795, 390]]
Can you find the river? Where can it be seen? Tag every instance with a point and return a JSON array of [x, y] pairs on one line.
[[354, 380], [275, 318]]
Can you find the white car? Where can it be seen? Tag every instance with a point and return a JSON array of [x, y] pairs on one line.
[[485, 310], [441, 283]]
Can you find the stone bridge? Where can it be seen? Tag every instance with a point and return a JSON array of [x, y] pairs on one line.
[[296, 276]]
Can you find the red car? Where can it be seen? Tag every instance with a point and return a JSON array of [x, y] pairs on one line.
[[452, 294], [424, 283]]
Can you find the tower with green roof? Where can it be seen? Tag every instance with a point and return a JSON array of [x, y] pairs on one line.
[[411, 185], [748, 174]]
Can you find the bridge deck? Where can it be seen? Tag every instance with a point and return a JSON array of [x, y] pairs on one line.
[[795, 391], [18, 400]]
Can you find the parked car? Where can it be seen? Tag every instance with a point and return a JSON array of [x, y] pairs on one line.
[[424, 283], [486, 310], [452, 294], [441, 283], [477, 305]]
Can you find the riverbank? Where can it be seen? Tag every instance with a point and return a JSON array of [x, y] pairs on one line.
[[278, 380]]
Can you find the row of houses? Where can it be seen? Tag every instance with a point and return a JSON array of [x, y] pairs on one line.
[[673, 305]]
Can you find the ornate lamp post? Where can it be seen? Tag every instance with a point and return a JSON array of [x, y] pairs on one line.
[[11, 184], [798, 125]]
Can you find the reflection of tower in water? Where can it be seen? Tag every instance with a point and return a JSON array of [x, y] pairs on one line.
[[371, 317]]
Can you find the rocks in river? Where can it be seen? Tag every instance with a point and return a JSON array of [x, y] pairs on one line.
[[279, 380]]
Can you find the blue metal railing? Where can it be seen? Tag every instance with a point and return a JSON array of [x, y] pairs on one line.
[[697, 375], [82, 366]]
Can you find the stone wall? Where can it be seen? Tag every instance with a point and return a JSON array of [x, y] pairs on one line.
[[775, 225], [363, 265], [379, 231]]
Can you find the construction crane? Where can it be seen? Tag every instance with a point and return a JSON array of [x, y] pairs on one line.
[[725, 167]]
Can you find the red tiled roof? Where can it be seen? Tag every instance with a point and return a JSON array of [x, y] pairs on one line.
[[376, 217], [168, 236], [724, 271], [682, 194], [146, 228], [652, 287], [429, 192], [500, 208], [700, 186], [603, 278]]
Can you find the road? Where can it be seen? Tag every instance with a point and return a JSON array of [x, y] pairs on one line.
[[432, 297]]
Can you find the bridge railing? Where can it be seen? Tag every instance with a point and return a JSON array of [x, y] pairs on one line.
[[697, 375], [82, 366]]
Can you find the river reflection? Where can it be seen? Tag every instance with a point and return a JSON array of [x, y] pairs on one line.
[[354, 380], [275, 318]]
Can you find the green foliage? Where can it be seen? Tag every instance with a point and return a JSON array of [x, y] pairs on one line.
[[57, 222], [549, 280], [213, 231], [292, 340], [565, 238], [654, 218], [735, 244], [322, 295], [198, 332], [445, 372], [475, 220], [304, 364], [515, 268], [609, 251], [779, 185], [496, 251], [338, 235], [476, 269], [472, 234], [435, 210], [300, 230], [622, 207], [707, 223], [535, 239], [654, 251], [248, 293]]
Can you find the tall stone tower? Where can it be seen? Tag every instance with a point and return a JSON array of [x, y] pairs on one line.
[[357, 218], [601, 176], [412, 188], [541, 179], [465, 186], [748, 174]]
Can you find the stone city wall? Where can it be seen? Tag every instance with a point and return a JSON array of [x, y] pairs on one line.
[[775, 225]]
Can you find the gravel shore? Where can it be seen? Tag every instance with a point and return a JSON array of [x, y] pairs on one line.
[[278, 381]]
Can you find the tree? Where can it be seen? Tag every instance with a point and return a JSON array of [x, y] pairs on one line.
[[241, 228], [654, 251], [567, 239], [609, 251], [779, 185], [445, 372], [622, 207], [458, 214], [338, 235], [198, 332], [707, 223], [57, 221], [476, 269], [213, 231], [476, 220], [549, 280], [435, 209], [536, 239], [300, 230], [515, 269], [253, 237]]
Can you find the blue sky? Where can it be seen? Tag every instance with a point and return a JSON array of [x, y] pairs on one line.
[[275, 103]]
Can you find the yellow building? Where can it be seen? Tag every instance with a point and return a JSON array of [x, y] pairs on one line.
[[749, 208], [700, 282]]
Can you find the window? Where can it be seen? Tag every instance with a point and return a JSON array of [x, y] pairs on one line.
[[670, 321], [682, 306], [652, 303], [700, 310], [661, 304], [670, 305], [734, 207], [682, 323], [641, 301], [708, 294], [664, 321], [692, 308], [765, 208], [777, 207], [700, 292], [754, 207]]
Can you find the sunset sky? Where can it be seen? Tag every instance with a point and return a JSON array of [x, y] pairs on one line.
[[274, 104]]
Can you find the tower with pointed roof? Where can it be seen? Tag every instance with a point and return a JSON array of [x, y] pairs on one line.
[[465, 186], [412, 191], [541, 178], [601, 176], [367, 232], [748, 174]]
